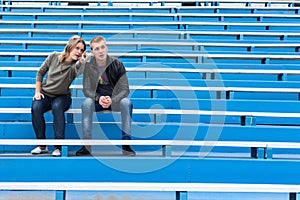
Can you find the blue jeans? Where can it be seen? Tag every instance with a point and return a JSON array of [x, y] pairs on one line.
[[89, 106], [58, 105]]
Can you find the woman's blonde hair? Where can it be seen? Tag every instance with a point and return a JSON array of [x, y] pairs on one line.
[[73, 41]]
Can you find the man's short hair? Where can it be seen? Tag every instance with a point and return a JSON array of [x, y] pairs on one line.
[[97, 39]]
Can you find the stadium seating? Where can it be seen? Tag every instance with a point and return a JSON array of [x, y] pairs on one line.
[[215, 88]]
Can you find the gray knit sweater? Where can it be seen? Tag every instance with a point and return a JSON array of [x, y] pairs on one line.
[[59, 75]]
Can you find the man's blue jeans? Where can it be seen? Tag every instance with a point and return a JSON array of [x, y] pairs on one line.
[[89, 105], [58, 105]]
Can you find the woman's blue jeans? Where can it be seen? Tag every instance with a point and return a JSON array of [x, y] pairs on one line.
[[58, 105], [89, 105]]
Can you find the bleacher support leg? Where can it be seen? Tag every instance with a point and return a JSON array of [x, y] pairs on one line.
[[248, 121], [229, 94], [70, 118], [282, 77], [159, 118], [293, 196], [60, 195], [253, 152], [261, 153], [166, 150], [64, 151], [181, 195], [220, 95], [268, 154]]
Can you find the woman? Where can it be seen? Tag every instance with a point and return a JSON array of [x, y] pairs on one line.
[[54, 93]]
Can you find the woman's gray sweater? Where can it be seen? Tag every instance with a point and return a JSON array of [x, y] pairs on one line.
[[59, 75]]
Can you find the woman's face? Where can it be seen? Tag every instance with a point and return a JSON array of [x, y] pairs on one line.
[[76, 52]]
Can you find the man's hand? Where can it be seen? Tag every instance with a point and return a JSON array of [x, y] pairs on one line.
[[105, 101]]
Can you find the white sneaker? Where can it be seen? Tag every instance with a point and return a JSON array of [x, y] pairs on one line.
[[56, 152], [38, 150]]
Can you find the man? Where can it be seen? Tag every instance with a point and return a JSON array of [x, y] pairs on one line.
[[105, 86]]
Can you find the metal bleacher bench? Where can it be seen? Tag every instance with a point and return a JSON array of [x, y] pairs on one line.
[[161, 2], [206, 73], [181, 189], [136, 33], [164, 45], [166, 8], [147, 15], [264, 149], [220, 91], [247, 118], [194, 57], [174, 25]]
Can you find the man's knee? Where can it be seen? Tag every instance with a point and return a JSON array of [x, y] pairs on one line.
[[125, 102], [88, 104], [126, 106]]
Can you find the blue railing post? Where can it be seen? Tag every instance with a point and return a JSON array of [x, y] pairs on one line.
[[167, 149], [64, 151], [293, 196], [60, 195], [180, 195]]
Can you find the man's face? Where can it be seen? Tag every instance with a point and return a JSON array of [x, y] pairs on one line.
[[99, 49]]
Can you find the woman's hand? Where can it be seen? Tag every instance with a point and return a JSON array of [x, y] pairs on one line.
[[38, 96], [84, 56]]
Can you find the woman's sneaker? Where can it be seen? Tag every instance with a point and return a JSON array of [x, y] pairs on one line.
[[38, 150], [56, 153]]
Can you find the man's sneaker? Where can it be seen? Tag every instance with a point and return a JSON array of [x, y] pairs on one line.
[[56, 152], [83, 152], [38, 150], [127, 151]]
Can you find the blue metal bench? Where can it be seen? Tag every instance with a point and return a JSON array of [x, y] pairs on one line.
[[175, 46], [191, 175]]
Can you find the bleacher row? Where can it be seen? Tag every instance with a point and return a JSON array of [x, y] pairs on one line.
[[208, 82]]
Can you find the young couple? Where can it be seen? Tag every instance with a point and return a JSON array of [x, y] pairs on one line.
[[105, 86]]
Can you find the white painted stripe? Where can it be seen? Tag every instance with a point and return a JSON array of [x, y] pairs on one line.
[[76, 142], [142, 186]]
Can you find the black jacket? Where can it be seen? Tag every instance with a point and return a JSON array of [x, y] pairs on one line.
[[116, 75]]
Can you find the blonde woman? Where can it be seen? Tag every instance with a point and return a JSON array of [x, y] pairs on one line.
[[54, 93]]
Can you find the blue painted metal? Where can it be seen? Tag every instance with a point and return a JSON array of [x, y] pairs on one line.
[[250, 121], [151, 169], [186, 169], [293, 196], [64, 151], [253, 152], [261, 153], [181, 195], [269, 153], [167, 151], [60, 195], [168, 131]]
